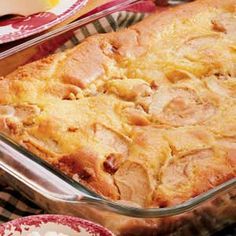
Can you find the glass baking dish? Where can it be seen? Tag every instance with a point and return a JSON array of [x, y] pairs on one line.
[[57, 193]]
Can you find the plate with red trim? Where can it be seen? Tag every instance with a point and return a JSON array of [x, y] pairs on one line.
[[56, 225], [19, 27]]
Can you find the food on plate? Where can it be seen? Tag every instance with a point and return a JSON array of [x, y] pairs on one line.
[[25, 7], [146, 114]]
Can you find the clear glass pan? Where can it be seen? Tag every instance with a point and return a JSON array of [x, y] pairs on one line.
[[40, 171], [57, 193]]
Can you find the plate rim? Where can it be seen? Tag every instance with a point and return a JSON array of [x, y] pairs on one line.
[[73, 222], [59, 18]]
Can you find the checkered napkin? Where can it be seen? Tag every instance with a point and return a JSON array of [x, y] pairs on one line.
[[12, 203]]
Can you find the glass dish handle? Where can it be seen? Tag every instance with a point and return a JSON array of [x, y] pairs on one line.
[[35, 176]]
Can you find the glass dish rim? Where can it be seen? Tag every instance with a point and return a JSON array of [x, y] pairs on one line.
[[64, 29], [91, 197]]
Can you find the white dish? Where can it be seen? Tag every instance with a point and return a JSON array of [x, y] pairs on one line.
[[52, 225]]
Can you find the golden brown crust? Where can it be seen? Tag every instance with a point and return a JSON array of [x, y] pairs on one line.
[[85, 167], [147, 114]]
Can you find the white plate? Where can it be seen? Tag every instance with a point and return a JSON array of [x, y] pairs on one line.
[[43, 224]]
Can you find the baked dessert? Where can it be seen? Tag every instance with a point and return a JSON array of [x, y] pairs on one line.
[[146, 114]]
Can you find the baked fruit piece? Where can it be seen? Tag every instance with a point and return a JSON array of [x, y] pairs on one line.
[[146, 115]]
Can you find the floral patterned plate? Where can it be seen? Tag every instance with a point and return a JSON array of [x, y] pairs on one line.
[[52, 225], [12, 29]]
